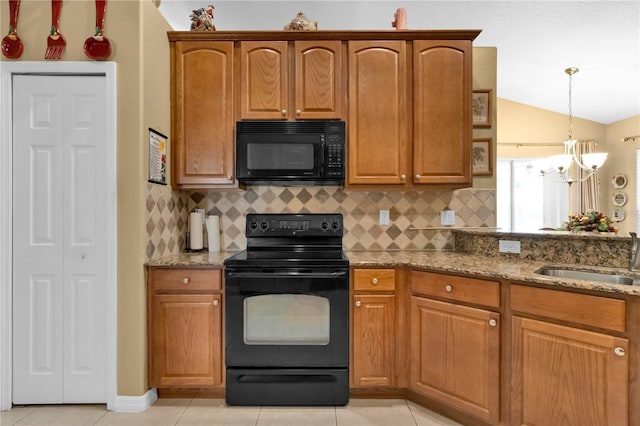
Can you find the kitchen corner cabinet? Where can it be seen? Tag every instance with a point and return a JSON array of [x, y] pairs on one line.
[[379, 113], [442, 126], [373, 330], [184, 311], [202, 128], [455, 349], [567, 371], [291, 81]]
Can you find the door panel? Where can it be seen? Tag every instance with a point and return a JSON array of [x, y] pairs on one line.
[[59, 244]]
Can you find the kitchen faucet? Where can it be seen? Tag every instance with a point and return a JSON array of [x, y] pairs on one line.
[[634, 254]]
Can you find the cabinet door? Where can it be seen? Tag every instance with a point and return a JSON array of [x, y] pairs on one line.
[[202, 114], [318, 80], [373, 340], [263, 80], [442, 126], [566, 373], [187, 340], [379, 119], [455, 356]]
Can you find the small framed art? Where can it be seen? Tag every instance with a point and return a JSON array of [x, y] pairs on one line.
[[157, 157], [481, 103], [482, 157]]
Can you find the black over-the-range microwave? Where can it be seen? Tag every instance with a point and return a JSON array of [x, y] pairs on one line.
[[290, 153]]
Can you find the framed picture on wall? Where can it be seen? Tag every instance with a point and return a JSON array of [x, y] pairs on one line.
[[481, 103], [481, 157], [157, 157]]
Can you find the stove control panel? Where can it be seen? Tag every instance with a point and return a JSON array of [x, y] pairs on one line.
[[285, 224]]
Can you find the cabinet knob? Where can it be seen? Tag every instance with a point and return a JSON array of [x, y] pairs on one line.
[[186, 280], [493, 322], [358, 303], [284, 112], [448, 288], [418, 176], [374, 281], [298, 112], [216, 302], [619, 351], [403, 178]]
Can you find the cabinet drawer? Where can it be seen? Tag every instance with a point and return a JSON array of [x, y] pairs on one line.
[[596, 311], [461, 289], [186, 279], [374, 279]]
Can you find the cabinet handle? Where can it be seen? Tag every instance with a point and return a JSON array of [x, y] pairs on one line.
[[298, 112], [284, 112], [448, 288], [186, 280], [403, 178], [358, 303], [374, 281], [493, 322], [619, 351], [216, 302]]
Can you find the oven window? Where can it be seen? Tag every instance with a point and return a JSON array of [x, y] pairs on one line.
[[286, 319], [280, 156]]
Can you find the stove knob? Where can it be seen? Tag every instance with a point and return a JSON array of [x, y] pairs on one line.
[[324, 226], [335, 225], [253, 225], [264, 225]]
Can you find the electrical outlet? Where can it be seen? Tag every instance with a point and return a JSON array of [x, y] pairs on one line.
[[447, 217], [384, 217], [507, 246]]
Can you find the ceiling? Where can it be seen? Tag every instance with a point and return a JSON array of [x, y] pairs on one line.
[[535, 40]]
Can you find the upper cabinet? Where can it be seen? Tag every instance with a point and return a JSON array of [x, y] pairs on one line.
[[291, 81], [442, 127], [410, 126], [379, 113], [406, 97], [202, 114]]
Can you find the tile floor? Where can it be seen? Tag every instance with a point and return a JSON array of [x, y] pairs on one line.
[[214, 412]]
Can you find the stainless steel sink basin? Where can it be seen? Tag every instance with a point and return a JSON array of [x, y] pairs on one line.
[[602, 277]]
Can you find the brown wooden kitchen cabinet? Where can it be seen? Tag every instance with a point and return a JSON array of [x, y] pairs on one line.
[[291, 80], [567, 371], [373, 332], [185, 328], [455, 349], [202, 145], [379, 114], [442, 126]]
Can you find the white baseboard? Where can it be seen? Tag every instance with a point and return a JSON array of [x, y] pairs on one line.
[[134, 404]]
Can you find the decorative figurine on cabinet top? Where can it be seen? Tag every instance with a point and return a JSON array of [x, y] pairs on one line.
[[202, 19], [400, 19], [301, 23]]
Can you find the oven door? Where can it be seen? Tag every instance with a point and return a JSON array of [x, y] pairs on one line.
[[288, 318]]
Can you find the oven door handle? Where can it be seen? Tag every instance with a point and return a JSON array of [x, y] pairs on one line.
[[291, 274]]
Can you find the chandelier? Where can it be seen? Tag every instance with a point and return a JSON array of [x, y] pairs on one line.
[[588, 163]]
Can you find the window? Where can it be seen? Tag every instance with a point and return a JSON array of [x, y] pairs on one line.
[[526, 200]]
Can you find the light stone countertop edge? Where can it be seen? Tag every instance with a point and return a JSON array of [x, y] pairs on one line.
[[437, 261]]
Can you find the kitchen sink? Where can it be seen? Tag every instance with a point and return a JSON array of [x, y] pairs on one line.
[[602, 277]]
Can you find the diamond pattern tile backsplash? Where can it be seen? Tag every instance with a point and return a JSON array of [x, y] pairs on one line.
[[409, 211]]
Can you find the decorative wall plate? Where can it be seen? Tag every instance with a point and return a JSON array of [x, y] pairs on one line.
[[619, 199], [618, 214], [619, 181]]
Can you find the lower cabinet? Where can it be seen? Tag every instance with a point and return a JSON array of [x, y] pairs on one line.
[[373, 330], [455, 349], [185, 328], [566, 372]]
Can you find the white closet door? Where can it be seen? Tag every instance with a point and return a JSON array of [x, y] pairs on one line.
[[59, 239]]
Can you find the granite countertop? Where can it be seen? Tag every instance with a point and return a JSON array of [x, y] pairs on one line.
[[439, 261]]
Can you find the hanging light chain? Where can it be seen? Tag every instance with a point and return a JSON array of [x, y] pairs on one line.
[[571, 71]]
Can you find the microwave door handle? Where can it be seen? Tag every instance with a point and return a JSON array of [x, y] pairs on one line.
[[322, 157]]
